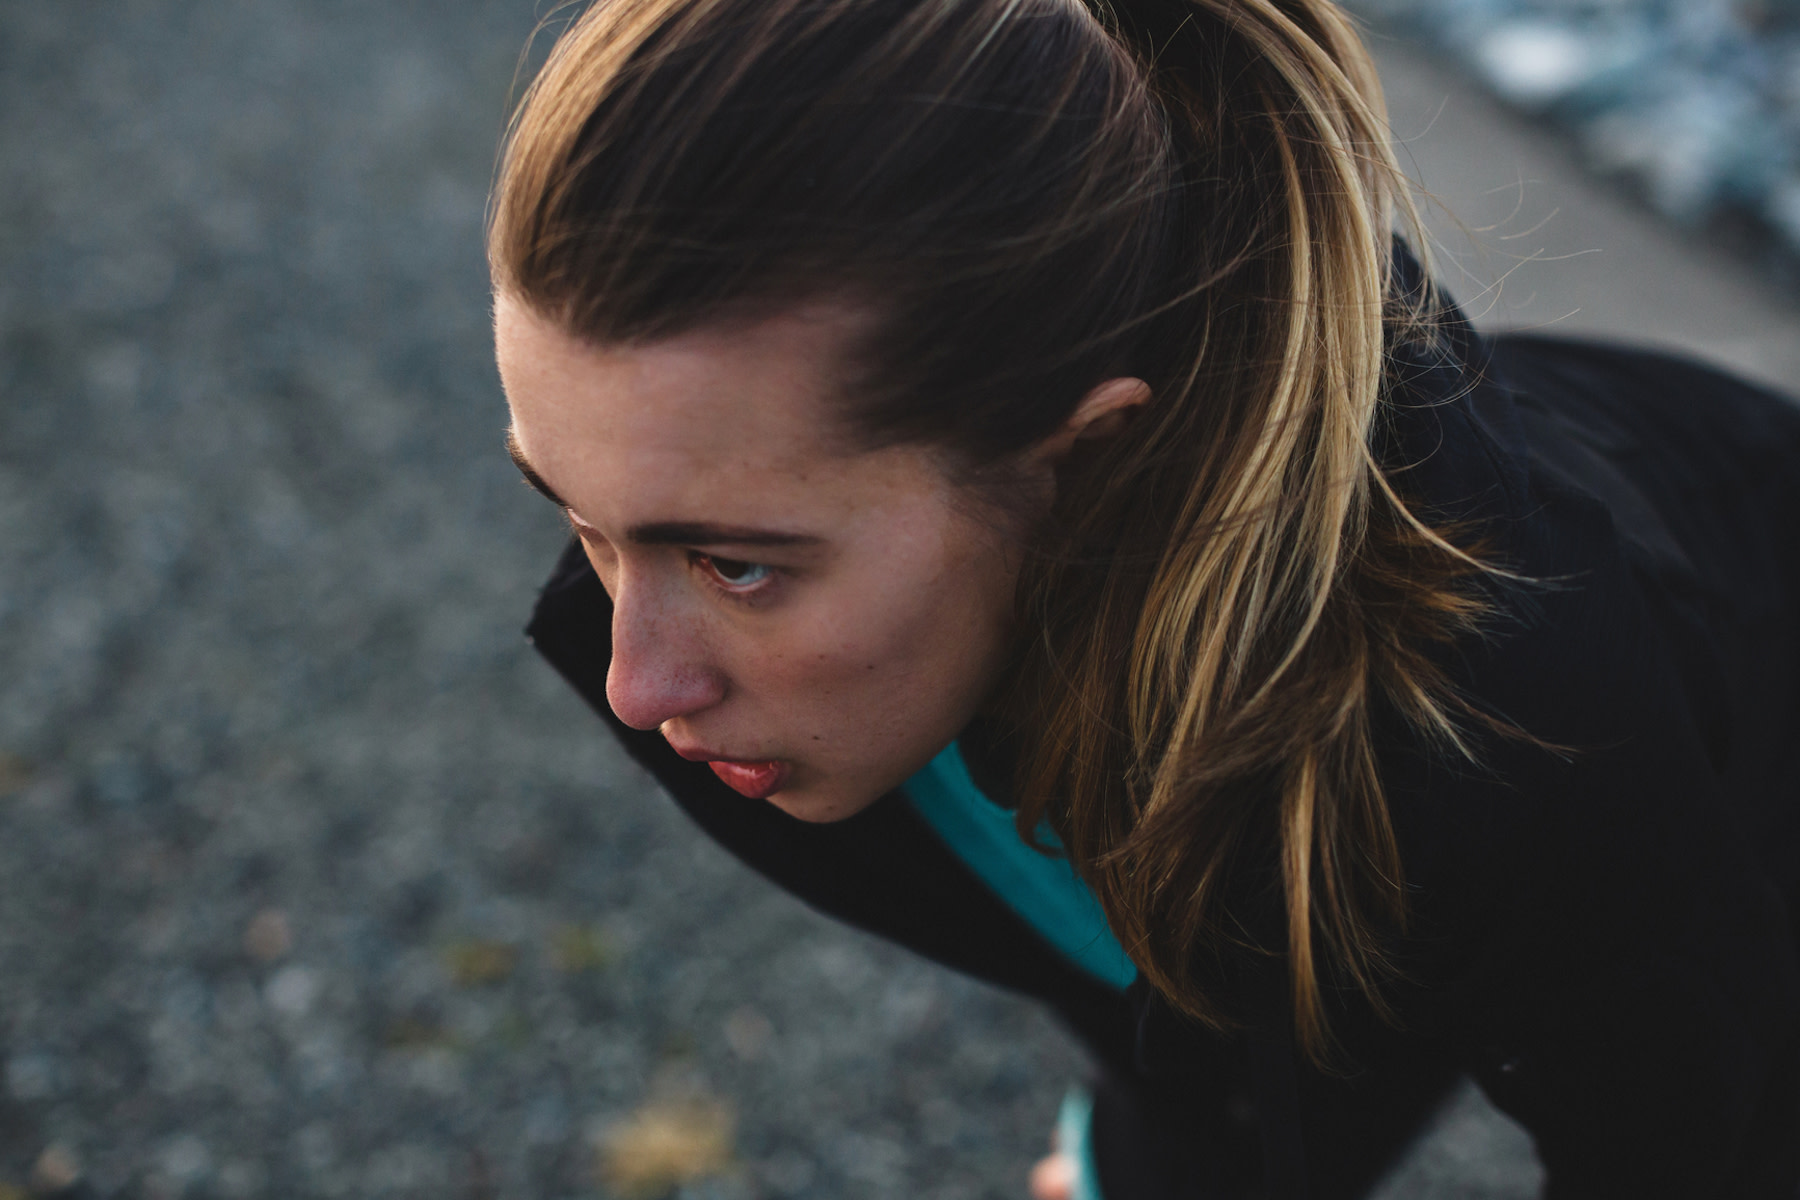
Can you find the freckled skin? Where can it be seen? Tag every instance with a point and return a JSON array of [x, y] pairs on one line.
[[860, 655]]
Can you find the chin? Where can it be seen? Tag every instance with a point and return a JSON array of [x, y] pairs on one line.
[[818, 806]]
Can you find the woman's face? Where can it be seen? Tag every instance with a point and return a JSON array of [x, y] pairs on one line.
[[814, 622]]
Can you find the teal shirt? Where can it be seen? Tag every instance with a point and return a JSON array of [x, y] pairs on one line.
[[1045, 891]]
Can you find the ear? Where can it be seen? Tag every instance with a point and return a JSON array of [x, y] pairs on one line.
[[1103, 412]]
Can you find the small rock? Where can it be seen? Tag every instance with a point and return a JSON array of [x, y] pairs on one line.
[[316, 1147], [546, 1120], [15, 773], [56, 1170], [408, 1168], [475, 963], [268, 937], [186, 1161], [664, 1145], [576, 948], [415, 1033], [436, 1071], [242, 1178], [31, 1076], [321, 1060], [49, 794], [748, 1033], [292, 990], [788, 1172]]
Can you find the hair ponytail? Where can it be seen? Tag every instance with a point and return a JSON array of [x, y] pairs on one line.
[[1034, 196], [1209, 689]]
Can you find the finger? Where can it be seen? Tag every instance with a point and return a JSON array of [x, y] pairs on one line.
[[1053, 1178]]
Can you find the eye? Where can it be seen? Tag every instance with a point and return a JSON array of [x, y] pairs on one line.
[[734, 573]]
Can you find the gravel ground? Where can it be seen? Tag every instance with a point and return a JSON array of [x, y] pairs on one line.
[[313, 880]]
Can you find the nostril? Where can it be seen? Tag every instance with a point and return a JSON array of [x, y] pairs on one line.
[[646, 692]]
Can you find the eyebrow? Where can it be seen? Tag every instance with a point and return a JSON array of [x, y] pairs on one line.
[[663, 533], [516, 452], [700, 533]]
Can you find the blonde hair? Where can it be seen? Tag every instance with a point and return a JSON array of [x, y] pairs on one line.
[[1035, 196]]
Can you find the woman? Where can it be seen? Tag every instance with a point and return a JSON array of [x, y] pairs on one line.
[[1029, 505]]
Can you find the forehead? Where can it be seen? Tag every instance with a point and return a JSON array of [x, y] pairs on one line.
[[710, 385], [732, 417]]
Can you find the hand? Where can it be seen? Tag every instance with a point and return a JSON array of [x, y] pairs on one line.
[[1053, 1178]]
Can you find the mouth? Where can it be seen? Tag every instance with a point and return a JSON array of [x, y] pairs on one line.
[[757, 780]]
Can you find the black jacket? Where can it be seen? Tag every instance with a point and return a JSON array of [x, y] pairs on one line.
[[1602, 938]]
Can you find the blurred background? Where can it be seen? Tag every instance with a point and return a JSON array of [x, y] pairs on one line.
[[313, 880]]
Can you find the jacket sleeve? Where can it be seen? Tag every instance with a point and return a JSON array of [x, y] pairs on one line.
[[1600, 942]]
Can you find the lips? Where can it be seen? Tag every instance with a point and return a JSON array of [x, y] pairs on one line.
[[757, 780]]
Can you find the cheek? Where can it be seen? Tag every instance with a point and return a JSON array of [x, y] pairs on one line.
[[892, 657]]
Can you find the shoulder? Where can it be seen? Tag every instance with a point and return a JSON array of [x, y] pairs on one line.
[[1600, 645], [1595, 930], [1645, 504]]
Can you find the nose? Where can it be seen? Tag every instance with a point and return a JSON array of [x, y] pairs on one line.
[[659, 668]]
